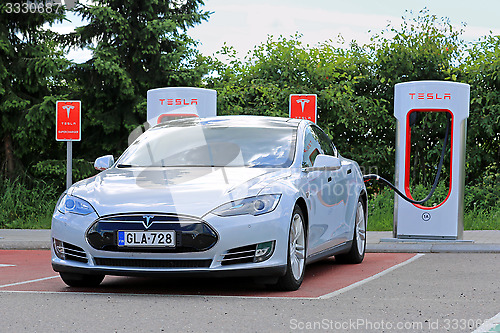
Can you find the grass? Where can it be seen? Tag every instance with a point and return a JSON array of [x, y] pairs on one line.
[[482, 220]]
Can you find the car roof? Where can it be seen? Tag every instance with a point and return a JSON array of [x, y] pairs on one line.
[[233, 121]]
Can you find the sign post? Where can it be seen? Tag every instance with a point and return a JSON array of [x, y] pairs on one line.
[[303, 107], [68, 128]]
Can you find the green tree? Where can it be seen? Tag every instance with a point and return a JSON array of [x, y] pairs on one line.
[[424, 47], [136, 46], [482, 71], [354, 84], [31, 64]]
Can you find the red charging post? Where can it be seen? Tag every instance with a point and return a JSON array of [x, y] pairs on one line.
[[69, 129], [303, 107]]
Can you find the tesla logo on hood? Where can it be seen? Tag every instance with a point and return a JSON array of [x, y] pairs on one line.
[[148, 220]]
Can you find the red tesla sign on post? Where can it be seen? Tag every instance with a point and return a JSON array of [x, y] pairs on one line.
[[303, 107], [68, 121]]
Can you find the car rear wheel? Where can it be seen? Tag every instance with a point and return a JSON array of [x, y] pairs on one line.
[[297, 241], [81, 280], [357, 252]]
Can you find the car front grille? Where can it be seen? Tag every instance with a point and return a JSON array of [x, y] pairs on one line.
[[152, 263], [239, 255], [192, 234], [73, 252]]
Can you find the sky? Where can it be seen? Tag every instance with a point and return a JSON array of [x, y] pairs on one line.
[[244, 24]]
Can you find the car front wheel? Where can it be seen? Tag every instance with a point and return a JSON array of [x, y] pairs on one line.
[[296, 261]]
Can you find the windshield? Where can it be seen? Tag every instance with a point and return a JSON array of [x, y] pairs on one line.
[[216, 146]]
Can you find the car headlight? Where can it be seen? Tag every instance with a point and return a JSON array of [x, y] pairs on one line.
[[71, 204], [257, 205]]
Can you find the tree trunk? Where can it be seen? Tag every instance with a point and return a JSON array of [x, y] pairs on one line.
[[9, 155]]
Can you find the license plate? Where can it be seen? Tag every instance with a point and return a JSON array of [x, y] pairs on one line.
[[146, 238]]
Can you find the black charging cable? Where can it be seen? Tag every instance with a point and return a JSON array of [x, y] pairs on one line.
[[436, 179]]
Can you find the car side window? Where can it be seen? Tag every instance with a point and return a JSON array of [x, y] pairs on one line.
[[312, 148], [325, 142]]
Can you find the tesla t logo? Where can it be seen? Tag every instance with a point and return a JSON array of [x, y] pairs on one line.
[[302, 102], [68, 108], [147, 221], [429, 95], [178, 101]]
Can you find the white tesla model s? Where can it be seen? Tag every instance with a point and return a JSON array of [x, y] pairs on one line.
[[222, 196]]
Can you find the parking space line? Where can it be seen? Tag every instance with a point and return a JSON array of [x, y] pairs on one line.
[[6, 265], [29, 281], [371, 278]]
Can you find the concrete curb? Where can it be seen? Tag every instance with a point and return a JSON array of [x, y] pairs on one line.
[[432, 248], [24, 239], [31, 245]]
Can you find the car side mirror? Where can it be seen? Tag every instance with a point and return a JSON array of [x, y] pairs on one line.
[[104, 162], [327, 162]]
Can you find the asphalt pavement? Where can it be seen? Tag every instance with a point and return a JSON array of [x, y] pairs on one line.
[[474, 241], [453, 290], [438, 292]]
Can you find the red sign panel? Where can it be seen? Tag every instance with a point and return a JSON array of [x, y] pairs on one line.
[[68, 121], [303, 107]]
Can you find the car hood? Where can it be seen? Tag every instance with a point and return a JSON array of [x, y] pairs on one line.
[[192, 191]]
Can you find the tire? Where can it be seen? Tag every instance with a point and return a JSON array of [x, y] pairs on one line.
[[81, 280], [296, 254], [357, 252]]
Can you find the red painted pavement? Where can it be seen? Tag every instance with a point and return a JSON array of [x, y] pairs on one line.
[[321, 278]]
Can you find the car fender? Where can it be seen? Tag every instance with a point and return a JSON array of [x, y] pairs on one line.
[[358, 189]]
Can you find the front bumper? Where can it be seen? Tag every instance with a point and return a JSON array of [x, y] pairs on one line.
[[237, 232], [239, 272]]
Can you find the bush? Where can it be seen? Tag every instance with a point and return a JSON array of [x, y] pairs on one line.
[[420, 192], [24, 206], [380, 210], [484, 194], [481, 205], [54, 171]]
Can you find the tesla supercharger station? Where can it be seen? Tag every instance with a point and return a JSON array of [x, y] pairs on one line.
[[179, 102], [445, 220]]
